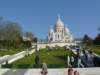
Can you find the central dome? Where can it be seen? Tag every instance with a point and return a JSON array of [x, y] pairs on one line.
[[59, 22]]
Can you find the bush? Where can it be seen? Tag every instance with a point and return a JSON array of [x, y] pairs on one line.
[[37, 66], [6, 66], [24, 66], [55, 65]]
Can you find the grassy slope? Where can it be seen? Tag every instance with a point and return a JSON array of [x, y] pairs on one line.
[[48, 56], [8, 52], [12, 51]]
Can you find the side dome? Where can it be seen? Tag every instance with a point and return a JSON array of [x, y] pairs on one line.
[[67, 30], [51, 30]]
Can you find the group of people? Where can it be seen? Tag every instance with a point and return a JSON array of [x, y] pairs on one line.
[[75, 61], [92, 58], [70, 71], [45, 71]]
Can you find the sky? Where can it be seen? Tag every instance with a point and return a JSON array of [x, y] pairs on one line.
[[37, 16]]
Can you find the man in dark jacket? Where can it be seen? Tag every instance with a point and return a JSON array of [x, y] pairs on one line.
[[37, 59]]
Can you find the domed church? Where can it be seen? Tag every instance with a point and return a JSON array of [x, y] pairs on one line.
[[60, 33]]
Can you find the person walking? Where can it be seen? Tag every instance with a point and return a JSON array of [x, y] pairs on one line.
[[37, 60], [72, 61], [78, 62], [68, 61], [44, 69]]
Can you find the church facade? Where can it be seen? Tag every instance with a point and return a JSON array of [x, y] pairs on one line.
[[60, 33]]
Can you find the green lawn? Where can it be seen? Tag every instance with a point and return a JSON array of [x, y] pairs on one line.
[[9, 52], [51, 57]]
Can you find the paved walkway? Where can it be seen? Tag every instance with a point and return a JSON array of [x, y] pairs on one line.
[[82, 71]]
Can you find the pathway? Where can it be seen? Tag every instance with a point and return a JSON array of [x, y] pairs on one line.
[[63, 71]]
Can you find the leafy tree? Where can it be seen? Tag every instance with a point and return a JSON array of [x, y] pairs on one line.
[[97, 40], [11, 35], [29, 36], [35, 39], [87, 40]]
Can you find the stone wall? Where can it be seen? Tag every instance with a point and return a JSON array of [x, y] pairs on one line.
[[43, 45]]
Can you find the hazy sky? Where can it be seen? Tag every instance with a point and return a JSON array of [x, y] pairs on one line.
[[37, 16]]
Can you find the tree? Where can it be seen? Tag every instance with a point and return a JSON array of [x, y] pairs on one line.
[[10, 33], [35, 39], [14, 33], [87, 40], [97, 40], [29, 36]]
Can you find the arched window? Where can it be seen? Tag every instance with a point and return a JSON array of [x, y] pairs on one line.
[[58, 36], [51, 39]]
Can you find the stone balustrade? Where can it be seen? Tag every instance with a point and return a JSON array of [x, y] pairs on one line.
[[12, 58]]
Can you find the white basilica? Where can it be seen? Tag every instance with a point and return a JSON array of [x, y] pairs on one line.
[[58, 36], [60, 33]]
